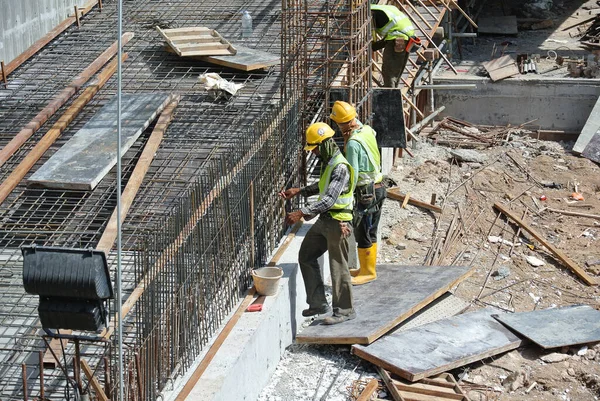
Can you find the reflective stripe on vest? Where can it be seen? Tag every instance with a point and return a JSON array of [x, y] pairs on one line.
[[366, 137], [342, 208], [399, 24]]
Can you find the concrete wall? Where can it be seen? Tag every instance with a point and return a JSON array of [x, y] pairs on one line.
[[22, 22], [559, 104]]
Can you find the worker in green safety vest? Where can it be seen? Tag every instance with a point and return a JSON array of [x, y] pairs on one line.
[[396, 35], [331, 231], [362, 153]]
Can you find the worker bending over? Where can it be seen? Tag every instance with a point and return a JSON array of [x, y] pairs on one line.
[[331, 231], [397, 38], [363, 155]]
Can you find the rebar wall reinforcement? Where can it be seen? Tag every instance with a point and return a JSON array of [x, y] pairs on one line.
[[212, 155]]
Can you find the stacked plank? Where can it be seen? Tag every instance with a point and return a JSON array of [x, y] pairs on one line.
[[456, 133]]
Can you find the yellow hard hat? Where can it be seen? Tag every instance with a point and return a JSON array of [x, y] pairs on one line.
[[317, 133], [342, 112]]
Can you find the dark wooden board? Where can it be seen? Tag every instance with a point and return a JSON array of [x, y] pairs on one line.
[[398, 293], [89, 155], [246, 59], [388, 118], [437, 347], [558, 327], [592, 149]]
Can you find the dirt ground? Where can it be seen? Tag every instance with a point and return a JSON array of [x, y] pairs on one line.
[[468, 191], [518, 173]]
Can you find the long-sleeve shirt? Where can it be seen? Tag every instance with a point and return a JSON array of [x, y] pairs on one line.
[[340, 177]]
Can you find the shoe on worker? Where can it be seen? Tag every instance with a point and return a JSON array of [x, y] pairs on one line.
[[316, 311], [335, 319]]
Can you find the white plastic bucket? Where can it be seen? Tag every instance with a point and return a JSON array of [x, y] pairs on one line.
[[266, 280]]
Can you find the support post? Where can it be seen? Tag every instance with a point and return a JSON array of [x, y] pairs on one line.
[[77, 17]]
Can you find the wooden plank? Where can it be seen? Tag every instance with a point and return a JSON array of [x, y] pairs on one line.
[[93, 381], [440, 346], [195, 39], [557, 252], [55, 347], [206, 52], [43, 41], [592, 149], [387, 379], [91, 153], [245, 59], [398, 293], [59, 100], [558, 327], [137, 176], [500, 68], [498, 25], [368, 391], [394, 193], [591, 127], [48, 139]]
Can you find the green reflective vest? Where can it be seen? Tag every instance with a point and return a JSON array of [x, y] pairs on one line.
[[399, 25], [366, 137], [342, 209]]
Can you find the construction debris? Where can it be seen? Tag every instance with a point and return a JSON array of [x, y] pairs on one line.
[[442, 387]]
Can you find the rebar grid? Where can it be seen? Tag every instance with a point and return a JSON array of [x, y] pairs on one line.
[[326, 49], [255, 133]]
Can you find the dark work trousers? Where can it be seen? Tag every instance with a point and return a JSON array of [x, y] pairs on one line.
[[393, 65], [326, 235], [367, 224]]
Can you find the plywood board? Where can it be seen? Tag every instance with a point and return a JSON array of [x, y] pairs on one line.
[[89, 155], [559, 327], [196, 41], [592, 125], [592, 149], [500, 68], [437, 347], [245, 59], [398, 293], [498, 25]]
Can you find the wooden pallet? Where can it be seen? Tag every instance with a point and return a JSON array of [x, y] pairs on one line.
[[440, 387], [197, 41]]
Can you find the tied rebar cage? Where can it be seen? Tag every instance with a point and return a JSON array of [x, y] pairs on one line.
[[188, 245], [327, 55]]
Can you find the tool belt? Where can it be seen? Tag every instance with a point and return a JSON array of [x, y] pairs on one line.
[[413, 44]]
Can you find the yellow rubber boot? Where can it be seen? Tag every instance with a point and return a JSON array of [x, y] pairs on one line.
[[368, 259]]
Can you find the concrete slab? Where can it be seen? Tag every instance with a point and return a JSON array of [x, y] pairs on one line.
[[558, 327], [90, 154], [437, 347], [398, 293], [592, 126], [249, 355]]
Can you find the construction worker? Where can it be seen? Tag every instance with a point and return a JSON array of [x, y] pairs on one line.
[[397, 38], [331, 231], [363, 155]]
